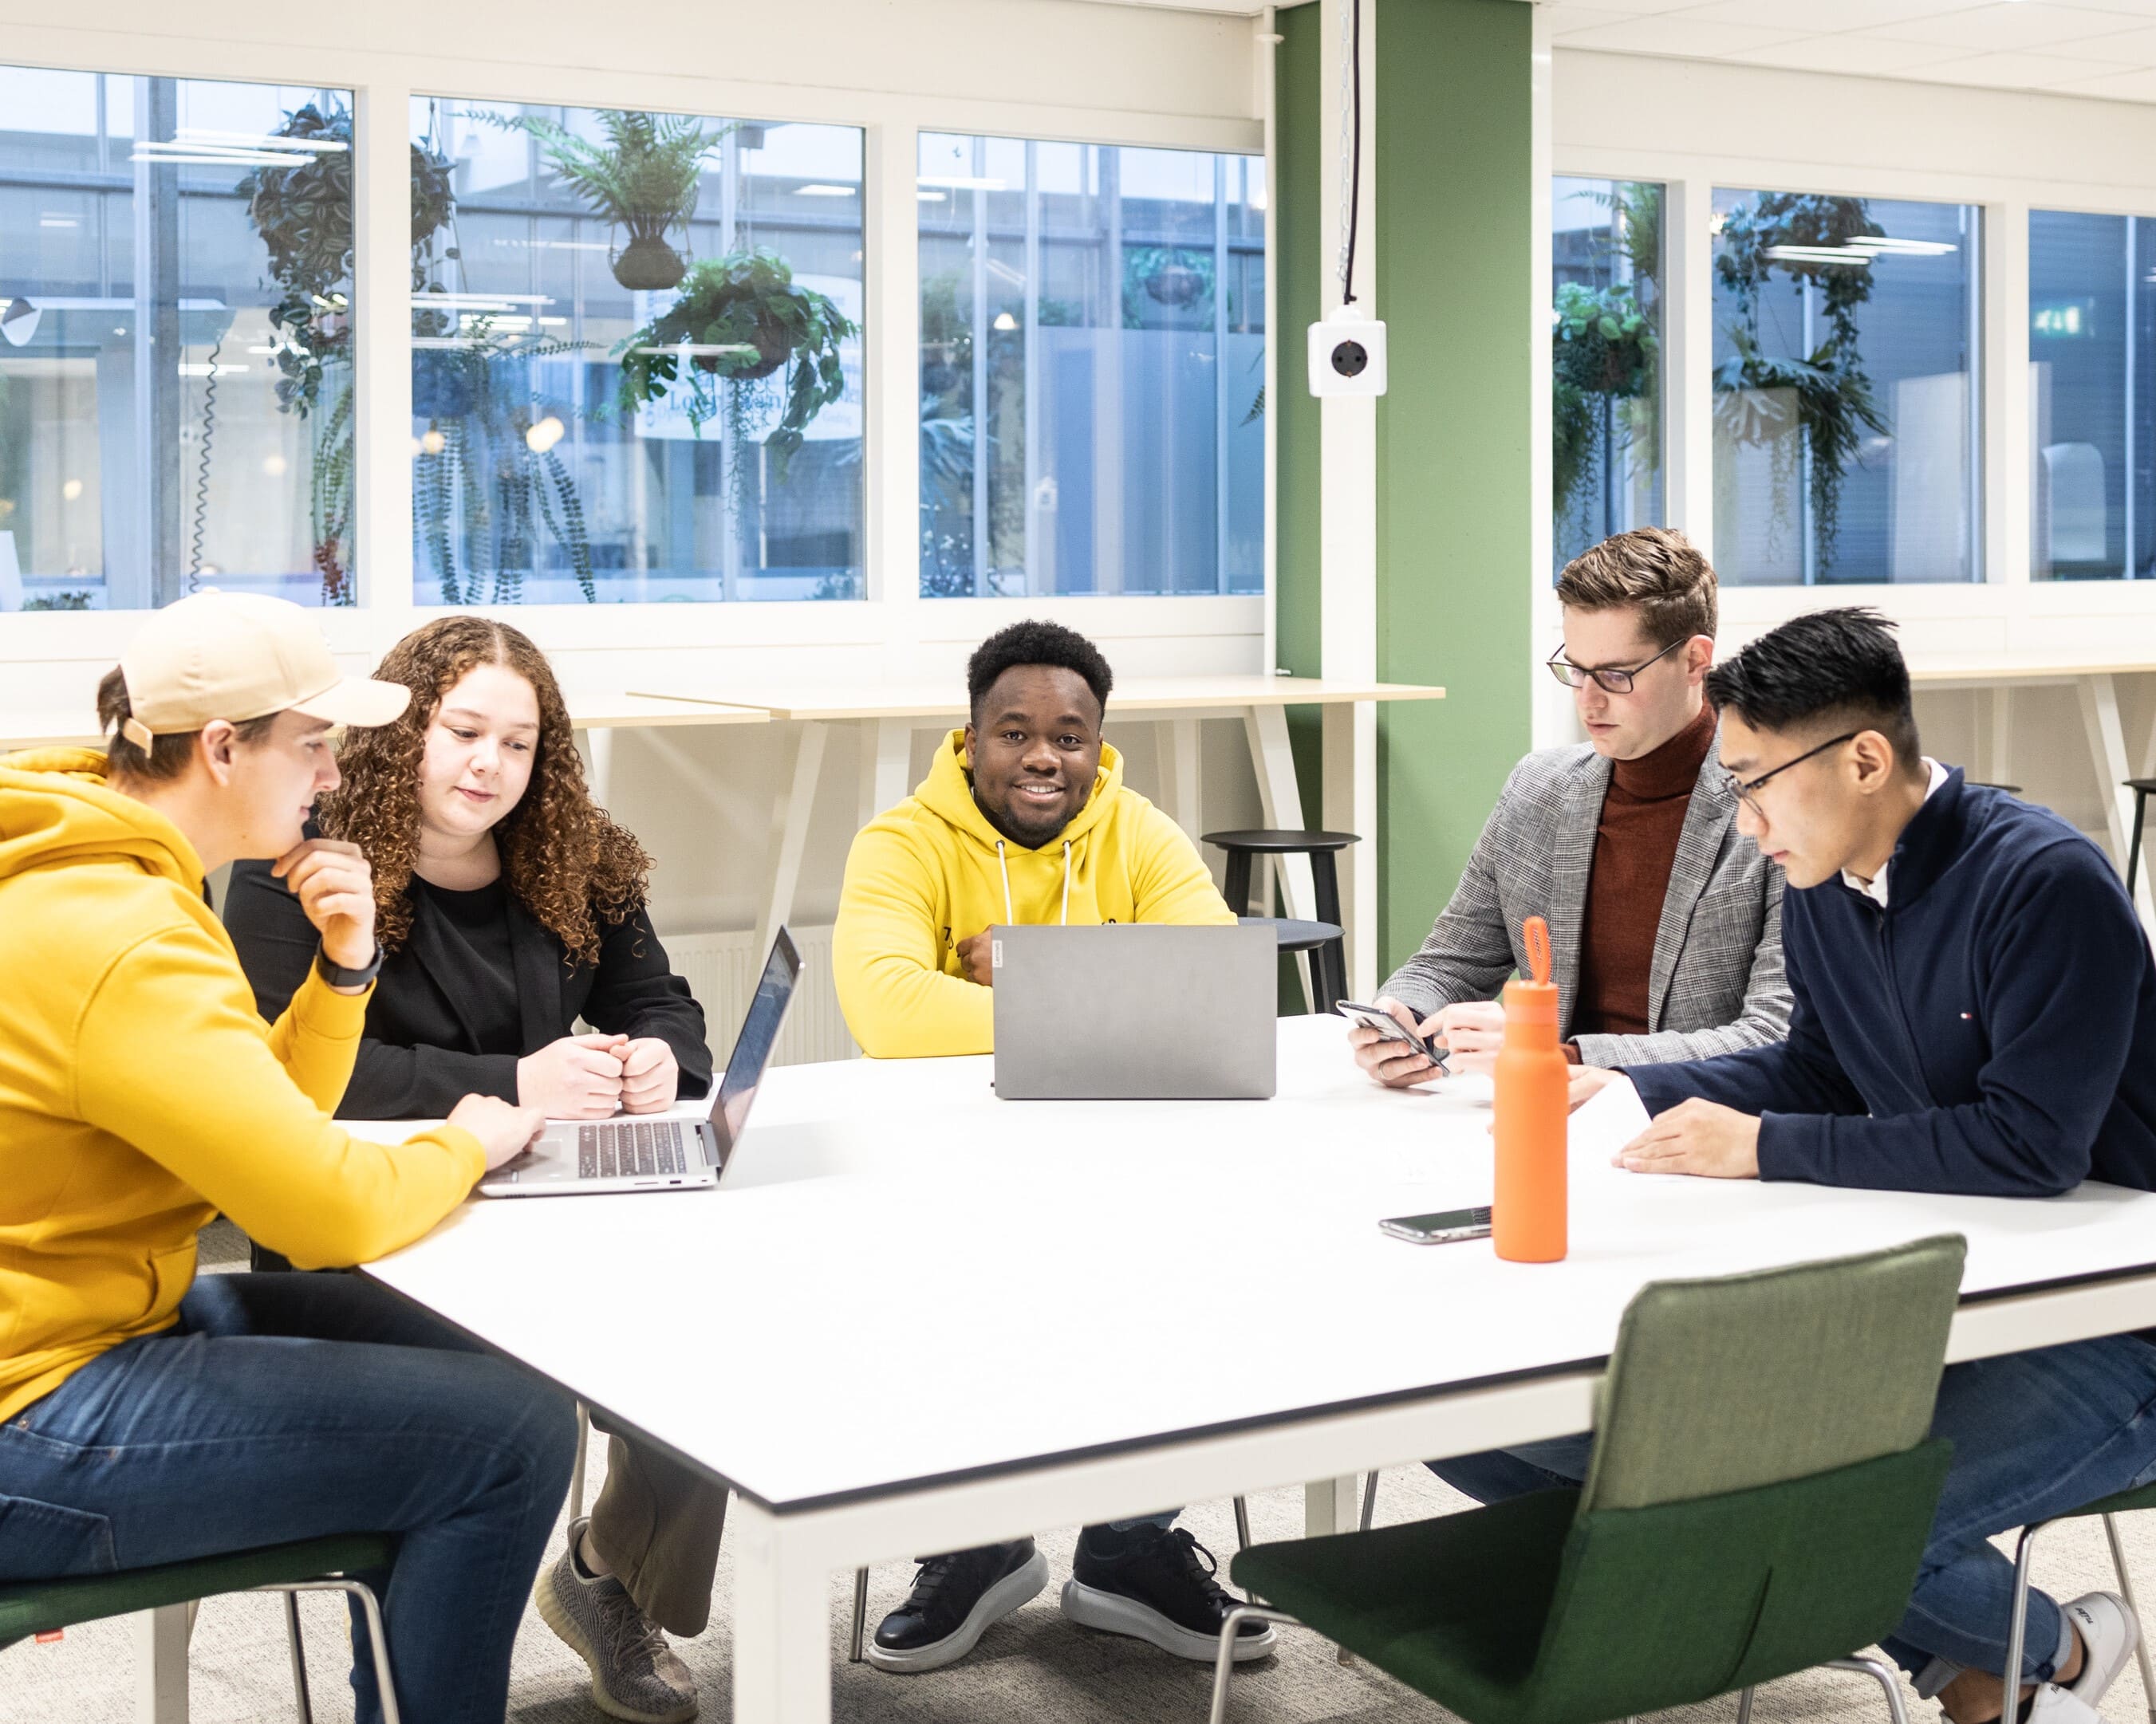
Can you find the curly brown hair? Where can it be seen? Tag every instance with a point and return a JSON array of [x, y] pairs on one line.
[[568, 862]]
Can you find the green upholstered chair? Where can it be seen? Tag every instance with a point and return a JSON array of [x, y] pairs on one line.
[[2107, 1506], [38, 1607], [1761, 1486]]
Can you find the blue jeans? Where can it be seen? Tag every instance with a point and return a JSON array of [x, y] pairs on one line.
[[285, 1407], [2034, 1435]]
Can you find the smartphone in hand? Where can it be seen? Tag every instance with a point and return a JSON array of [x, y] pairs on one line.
[[1392, 1029]]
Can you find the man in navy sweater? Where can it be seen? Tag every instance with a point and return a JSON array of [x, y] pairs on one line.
[[1974, 1010]]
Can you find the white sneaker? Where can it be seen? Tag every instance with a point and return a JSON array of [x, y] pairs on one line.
[[2109, 1631], [2051, 1704]]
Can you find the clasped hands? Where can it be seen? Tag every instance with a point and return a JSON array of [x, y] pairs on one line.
[[588, 1077]]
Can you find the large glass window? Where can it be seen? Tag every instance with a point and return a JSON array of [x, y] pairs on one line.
[[2092, 396], [1845, 391], [636, 369], [1605, 360], [175, 341], [1092, 369]]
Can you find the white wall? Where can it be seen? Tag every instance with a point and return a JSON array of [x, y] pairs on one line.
[[1694, 125], [1050, 69]]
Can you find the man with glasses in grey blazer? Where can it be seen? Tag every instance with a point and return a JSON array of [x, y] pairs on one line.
[[1665, 922]]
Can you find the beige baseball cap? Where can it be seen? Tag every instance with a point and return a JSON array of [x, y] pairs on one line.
[[236, 656]]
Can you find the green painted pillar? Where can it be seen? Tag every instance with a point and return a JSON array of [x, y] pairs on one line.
[[1449, 142]]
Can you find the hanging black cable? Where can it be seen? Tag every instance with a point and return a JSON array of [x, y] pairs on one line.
[[202, 469], [1354, 150]]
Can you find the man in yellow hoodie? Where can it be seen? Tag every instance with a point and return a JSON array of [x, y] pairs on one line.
[[1024, 818], [148, 1417]]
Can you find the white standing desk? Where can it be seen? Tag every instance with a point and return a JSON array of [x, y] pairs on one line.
[[2095, 681], [1231, 1320], [885, 719]]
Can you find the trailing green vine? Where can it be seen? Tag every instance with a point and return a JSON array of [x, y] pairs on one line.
[[1834, 402]]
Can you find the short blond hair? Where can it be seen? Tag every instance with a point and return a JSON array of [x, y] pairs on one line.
[[1656, 569]]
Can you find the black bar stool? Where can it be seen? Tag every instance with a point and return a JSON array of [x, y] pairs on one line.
[[1328, 960], [2142, 788]]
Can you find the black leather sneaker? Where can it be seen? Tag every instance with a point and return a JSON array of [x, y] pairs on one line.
[[1157, 1585], [955, 1600]]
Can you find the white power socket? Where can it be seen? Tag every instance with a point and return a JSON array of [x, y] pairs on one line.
[[1347, 354]]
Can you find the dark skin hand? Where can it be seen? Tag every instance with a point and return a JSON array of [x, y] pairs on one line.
[[1035, 747]]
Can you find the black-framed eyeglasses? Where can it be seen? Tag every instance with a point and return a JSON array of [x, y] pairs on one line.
[[1616, 681], [1744, 788]]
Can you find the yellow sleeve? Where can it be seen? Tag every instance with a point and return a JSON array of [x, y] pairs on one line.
[[1169, 878], [887, 963], [171, 1057]]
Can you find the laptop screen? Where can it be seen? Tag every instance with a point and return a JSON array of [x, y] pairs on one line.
[[759, 1034]]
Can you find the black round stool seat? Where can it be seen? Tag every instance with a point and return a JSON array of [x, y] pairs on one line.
[[1282, 842], [1296, 936]]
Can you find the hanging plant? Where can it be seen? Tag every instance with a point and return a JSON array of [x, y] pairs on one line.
[[1834, 404], [303, 213], [1179, 278], [1604, 349], [645, 178], [486, 479], [742, 319]]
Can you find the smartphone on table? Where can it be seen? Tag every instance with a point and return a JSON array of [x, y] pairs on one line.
[[1442, 1229], [1393, 1030]]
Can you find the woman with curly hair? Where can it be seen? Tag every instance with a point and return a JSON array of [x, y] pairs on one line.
[[509, 906]]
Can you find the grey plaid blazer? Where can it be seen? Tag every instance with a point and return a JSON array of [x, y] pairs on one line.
[[1717, 983]]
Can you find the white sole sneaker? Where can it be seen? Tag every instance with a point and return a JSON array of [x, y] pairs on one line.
[[1113, 1614], [991, 1608], [2109, 1631]]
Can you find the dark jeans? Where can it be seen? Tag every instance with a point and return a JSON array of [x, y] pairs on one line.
[[285, 1407], [2035, 1435]]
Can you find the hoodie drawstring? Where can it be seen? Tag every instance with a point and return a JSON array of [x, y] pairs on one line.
[[1002, 862]]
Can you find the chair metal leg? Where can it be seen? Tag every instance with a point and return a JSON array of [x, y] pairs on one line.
[[2017, 1622], [1224, 1660], [1242, 1525], [577, 1472], [860, 1614], [2133, 1604], [1744, 1705], [297, 1643], [2134, 846], [370, 1610], [1881, 1672], [1370, 1501]]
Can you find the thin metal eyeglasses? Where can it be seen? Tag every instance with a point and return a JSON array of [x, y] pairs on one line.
[[1617, 682], [1744, 788]]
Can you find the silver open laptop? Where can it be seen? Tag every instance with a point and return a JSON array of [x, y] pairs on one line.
[[1135, 1011], [573, 1158]]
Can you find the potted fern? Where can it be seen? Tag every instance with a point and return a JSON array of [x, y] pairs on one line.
[[645, 178], [741, 319]]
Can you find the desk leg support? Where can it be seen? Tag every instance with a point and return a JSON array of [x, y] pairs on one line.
[[781, 1627], [789, 830], [161, 1665], [886, 765], [2107, 743], [1330, 1505], [1178, 759], [597, 747]]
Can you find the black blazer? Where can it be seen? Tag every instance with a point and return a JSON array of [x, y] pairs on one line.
[[418, 1057]]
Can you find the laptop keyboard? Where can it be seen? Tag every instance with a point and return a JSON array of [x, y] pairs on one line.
[[625, 1148]]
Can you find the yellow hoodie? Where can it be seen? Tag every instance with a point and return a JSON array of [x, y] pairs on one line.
[[932, 872], [141, 1092]]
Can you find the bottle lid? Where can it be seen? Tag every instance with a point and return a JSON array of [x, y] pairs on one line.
[[1531, 1001]]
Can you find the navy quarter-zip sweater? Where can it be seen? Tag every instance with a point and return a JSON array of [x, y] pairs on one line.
[[1991, 1032]]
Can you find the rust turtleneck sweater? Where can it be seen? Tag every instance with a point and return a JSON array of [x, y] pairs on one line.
[[1635, 845]]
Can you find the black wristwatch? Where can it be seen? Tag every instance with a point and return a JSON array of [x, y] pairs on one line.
[[339, 977]]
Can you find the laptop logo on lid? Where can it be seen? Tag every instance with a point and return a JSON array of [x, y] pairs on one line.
[[995, 954]]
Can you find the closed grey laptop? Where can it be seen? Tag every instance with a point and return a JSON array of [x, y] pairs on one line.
[[1138, 1012], [576, 1158]]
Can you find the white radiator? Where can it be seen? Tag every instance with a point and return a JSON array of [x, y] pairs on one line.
[[721, 970]]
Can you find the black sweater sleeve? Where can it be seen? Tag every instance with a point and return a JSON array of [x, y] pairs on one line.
[[636, 993], [276, 944]]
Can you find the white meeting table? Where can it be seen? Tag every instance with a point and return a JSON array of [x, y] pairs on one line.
[[1137, 1305]]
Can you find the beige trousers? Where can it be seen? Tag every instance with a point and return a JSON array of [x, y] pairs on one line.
[[657, 1524]]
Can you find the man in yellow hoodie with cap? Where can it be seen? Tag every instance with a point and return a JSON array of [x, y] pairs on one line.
[[149, 1417], [1024, 818]]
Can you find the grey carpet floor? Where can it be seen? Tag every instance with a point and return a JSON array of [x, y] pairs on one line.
[[1032, 1665]]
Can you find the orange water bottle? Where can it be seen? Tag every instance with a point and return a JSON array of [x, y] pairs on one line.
[[1527, 1219]]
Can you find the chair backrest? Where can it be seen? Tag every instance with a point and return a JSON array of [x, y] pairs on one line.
[[1743, 1381]]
